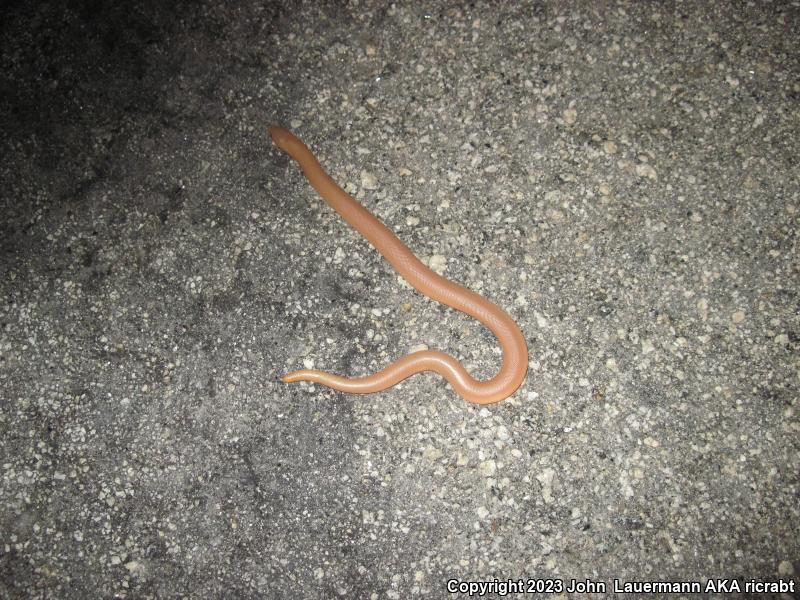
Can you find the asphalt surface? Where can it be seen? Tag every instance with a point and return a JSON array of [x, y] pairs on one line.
[[621, 177]]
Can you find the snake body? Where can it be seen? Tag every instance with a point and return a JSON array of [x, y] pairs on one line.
[[515, 351]]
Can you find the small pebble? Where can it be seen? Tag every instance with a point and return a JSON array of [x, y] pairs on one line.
[[645, 170], [438, 263], [488, 468], [545, 478], [368, 181], [609, 147], [432, 454]]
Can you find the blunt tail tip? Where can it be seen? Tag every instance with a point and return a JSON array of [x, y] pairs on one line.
[[279, 135]]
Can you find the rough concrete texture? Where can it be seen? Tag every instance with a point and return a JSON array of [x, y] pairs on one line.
[[622, 177]]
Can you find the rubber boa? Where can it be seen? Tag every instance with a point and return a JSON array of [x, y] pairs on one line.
[[515, 351]]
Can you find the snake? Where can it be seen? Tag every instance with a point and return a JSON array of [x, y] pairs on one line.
[[512, 342]]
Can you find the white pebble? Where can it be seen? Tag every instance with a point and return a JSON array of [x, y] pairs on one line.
[[438, 263], [785, 568], [368, 181], [645, 170], [545, 478], [488, 468]]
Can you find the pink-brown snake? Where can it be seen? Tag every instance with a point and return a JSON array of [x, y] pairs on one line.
[[515, 351]]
